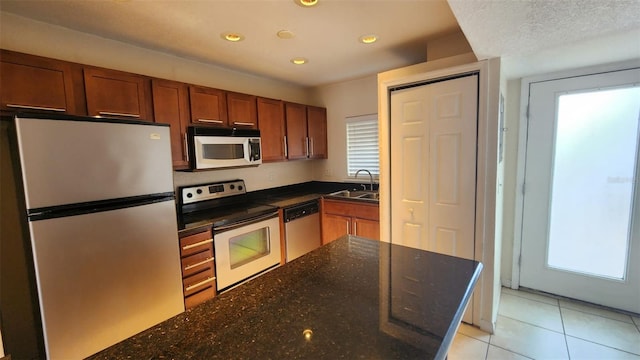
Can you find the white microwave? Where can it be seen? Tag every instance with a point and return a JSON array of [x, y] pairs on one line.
[[213, 148]]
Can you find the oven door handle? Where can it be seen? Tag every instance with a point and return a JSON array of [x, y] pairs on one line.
[[245, 222]]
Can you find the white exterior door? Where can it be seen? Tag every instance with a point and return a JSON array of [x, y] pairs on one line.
[[433, 167], [581, 224]]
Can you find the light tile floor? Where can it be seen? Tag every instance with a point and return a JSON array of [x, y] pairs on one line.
[[534, 326]]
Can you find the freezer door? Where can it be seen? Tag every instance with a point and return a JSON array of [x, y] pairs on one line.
[[68, 161], [103, 277]]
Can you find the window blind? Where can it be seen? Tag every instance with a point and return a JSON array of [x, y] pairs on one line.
[[362, 144]]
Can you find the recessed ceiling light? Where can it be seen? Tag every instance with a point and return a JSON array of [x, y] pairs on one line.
[[233, 37], [299, 60], [286, 34], [368, 39], [306, 3]]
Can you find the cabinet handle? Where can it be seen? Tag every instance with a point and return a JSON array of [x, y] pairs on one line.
[[186, 148], [35, 107], [311, 146], [187, 247], [108, 113], [211, 121], [208, 280], [243, 123], [207, 260], [286, 151], [306, 140], [355, 228]]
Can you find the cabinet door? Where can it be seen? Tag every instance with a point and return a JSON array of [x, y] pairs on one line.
[[334, 226], [242, 111], [208, 106], [35, 83], [317, 132], [171, 106], [296, 118], [115, 93], [369, 229], [272, 129]]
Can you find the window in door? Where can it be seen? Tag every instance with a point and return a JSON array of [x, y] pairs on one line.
[[594, 167]]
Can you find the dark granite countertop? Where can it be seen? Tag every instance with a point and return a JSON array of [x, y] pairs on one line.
[[359, 298]]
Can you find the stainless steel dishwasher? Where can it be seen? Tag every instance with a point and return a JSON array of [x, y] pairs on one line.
[[302, 229]]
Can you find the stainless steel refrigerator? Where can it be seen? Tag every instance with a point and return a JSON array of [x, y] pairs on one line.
[[90, 252]]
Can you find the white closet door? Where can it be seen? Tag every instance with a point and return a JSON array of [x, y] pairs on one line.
[[433, 167]]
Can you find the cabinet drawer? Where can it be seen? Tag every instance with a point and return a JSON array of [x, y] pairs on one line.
[[352, 208], [199, 297], [196, 263], [196, 243], [198, 282]]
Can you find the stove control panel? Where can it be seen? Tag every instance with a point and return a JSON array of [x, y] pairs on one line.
[[203, 192]]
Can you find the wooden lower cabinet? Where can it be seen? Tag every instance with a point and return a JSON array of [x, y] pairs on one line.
[[198, 268], [340, 217]]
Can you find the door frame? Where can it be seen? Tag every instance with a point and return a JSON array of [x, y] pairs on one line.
[[487, 247], [522, 146]]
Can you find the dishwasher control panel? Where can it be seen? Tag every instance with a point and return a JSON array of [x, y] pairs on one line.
[[301, 210]]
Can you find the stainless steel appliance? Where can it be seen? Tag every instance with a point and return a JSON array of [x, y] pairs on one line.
[[246, 235], [89, 238], [212, 148], [302, 229]]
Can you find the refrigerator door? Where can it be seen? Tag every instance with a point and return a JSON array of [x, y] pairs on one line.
[[105, 276], [74, 161]]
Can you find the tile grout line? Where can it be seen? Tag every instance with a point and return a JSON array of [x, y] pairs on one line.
[[534, 325], [564, 331]]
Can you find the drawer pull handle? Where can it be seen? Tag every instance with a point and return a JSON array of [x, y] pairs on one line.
[[286, 151], [206, 281], [108, 113], [187, 247], [35, 107], [189, 267], [211, 121], [243, 123]]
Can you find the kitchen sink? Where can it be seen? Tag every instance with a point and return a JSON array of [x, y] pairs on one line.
[[364, 195]]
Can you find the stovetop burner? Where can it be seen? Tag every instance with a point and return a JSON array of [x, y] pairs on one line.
[[218, 204]]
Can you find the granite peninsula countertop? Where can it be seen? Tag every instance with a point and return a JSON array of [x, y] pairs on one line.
[[352, 298]]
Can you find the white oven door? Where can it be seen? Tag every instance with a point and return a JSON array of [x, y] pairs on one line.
[[242, 252]]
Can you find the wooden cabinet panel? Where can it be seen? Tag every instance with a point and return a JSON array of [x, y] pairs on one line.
[[208, 106], [366, 228], [34, 83], [195, 243], [349, 217], [296, 119], [317, 130], [171, 106], [241, 110], [272, 129], [334, 226], [116, 93]]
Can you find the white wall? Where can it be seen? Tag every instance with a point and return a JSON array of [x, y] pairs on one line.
[[342, 100]]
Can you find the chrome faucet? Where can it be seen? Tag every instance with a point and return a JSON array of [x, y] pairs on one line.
[[370, 176]]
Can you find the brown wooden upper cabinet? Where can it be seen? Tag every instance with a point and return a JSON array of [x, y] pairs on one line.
[[117, 94], [171, 106], [272, 129], [208, 106], [317, 130], [306, 131], [241, 111], [35, 83]]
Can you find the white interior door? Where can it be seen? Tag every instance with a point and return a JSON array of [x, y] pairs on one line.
[[580, 229], [433, 167]]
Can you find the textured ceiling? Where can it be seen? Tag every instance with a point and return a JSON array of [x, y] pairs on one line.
[[327, 34], [523, 29]]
